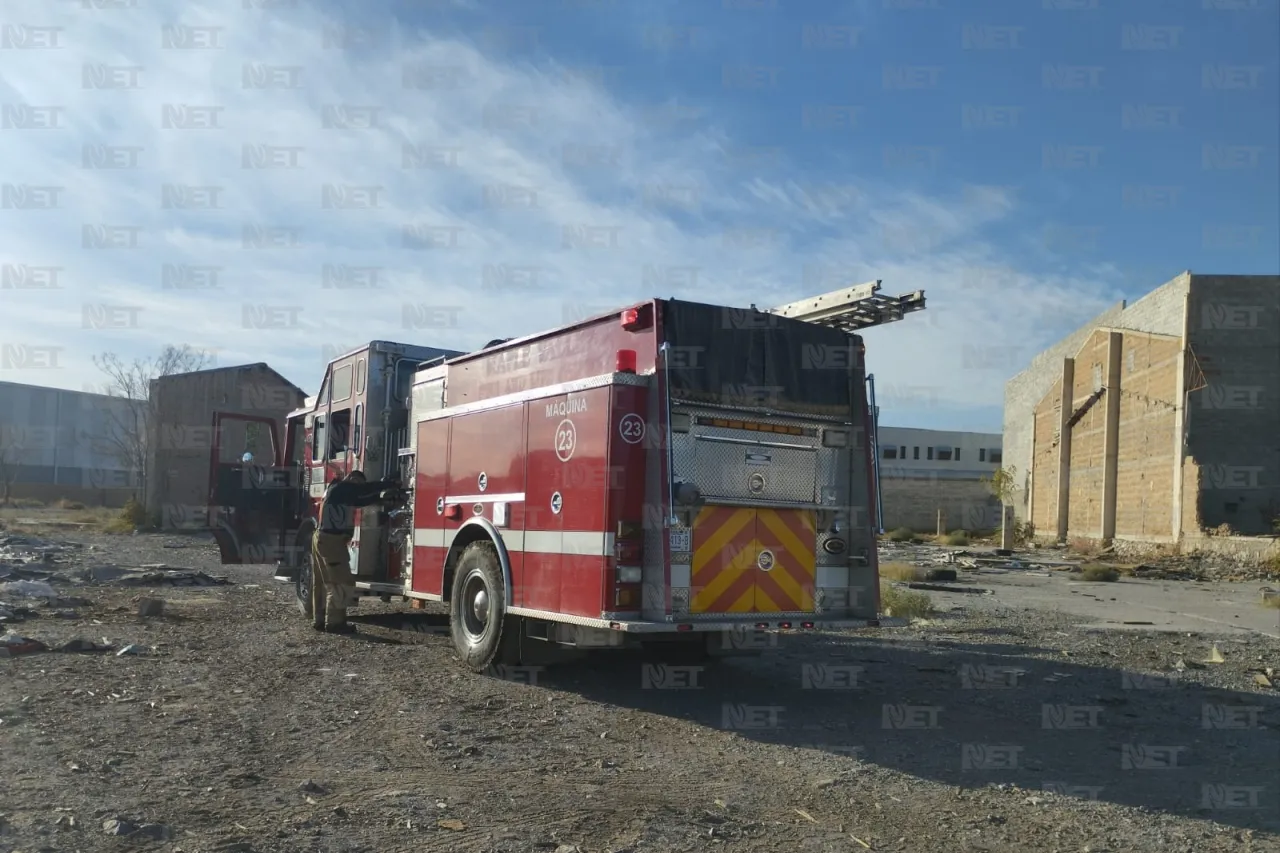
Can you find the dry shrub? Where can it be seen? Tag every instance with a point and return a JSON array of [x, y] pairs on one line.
[[955, 537], [905, 604], [904, 572], [902, 534], [1100, 573], [63, 503]]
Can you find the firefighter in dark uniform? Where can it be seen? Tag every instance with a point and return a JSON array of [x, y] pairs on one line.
[[332, 586]]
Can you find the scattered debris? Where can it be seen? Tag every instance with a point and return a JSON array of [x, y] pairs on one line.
[[13, 645], [151, 575], [937, 587], [1215, 656], [120, 826], [81, 645], [150, 607], [452, 823], [29, 589], [1261, 680]]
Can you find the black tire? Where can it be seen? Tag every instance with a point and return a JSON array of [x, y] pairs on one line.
[[483, 634], [302, 578]]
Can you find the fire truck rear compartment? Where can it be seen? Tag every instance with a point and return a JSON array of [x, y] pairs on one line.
[[752, 560]]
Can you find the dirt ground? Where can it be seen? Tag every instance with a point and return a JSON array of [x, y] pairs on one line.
[[232, 726]]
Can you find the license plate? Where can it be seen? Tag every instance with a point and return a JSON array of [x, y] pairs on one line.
[[681, 539]]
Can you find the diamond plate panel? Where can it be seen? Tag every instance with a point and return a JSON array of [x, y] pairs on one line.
[[679, 601], [764, 471]]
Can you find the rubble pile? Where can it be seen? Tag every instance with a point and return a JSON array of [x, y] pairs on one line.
[[39, 579]]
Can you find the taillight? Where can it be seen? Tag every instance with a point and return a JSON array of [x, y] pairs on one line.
[[628, 544], [629, 574], [628, 562]]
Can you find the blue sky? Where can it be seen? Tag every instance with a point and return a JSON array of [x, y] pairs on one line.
[[1026, 164]]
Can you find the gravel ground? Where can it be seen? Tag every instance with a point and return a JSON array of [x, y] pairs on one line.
[[240, 729]]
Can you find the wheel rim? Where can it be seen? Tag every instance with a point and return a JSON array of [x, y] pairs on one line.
[[475, 608]]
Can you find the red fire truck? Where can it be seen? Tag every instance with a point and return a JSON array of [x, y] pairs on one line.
[[671, 472]]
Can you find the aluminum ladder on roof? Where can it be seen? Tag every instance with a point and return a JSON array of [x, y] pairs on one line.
[[850, 309]]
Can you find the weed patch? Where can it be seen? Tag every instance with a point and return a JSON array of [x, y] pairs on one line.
[[905, 604]]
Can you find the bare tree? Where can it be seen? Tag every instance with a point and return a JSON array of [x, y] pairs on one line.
[[11, 447], [125, 437]]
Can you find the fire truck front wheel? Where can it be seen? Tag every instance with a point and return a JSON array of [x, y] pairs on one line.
[[482, 632]]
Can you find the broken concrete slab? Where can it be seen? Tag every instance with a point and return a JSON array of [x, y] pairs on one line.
[[150, 607]]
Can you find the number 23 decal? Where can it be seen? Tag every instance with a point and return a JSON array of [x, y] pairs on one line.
[[566, 440], [631, 428]]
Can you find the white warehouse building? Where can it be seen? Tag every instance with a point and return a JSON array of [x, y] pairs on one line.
[[924, 472]]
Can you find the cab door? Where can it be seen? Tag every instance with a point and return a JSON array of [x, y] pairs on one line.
[[253, 491]]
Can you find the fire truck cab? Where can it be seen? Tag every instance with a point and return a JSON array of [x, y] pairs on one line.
[[669, 472]]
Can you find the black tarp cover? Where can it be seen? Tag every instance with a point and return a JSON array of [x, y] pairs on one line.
[[732, 356]]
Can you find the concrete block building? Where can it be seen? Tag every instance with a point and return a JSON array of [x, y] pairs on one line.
[[924, 472], [182, 437], [1156, 421], [56, 443]]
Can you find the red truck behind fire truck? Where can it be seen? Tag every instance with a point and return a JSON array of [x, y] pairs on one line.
[[665, 473]]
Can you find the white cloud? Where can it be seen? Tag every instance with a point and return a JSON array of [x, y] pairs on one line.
[[508, 162]]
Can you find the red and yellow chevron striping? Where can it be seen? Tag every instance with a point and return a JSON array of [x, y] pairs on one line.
[[752, 560]]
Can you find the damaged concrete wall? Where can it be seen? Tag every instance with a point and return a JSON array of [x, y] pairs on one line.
[[1148, 421], [1044, 479], [1145, 441], [1233, 423], [182, 436], [914, 502], [1160, 311], [1088, 439], [1022, 394]]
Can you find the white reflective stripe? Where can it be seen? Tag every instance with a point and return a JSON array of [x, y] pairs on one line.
[[572, 542], [578, 543], [508, 497], [432, 538]]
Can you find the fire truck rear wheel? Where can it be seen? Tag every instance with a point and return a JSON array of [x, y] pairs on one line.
[[302, 569], [482, 633]]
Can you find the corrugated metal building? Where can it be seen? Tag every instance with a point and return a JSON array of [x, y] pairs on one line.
[[182, 436], [56, 443]]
